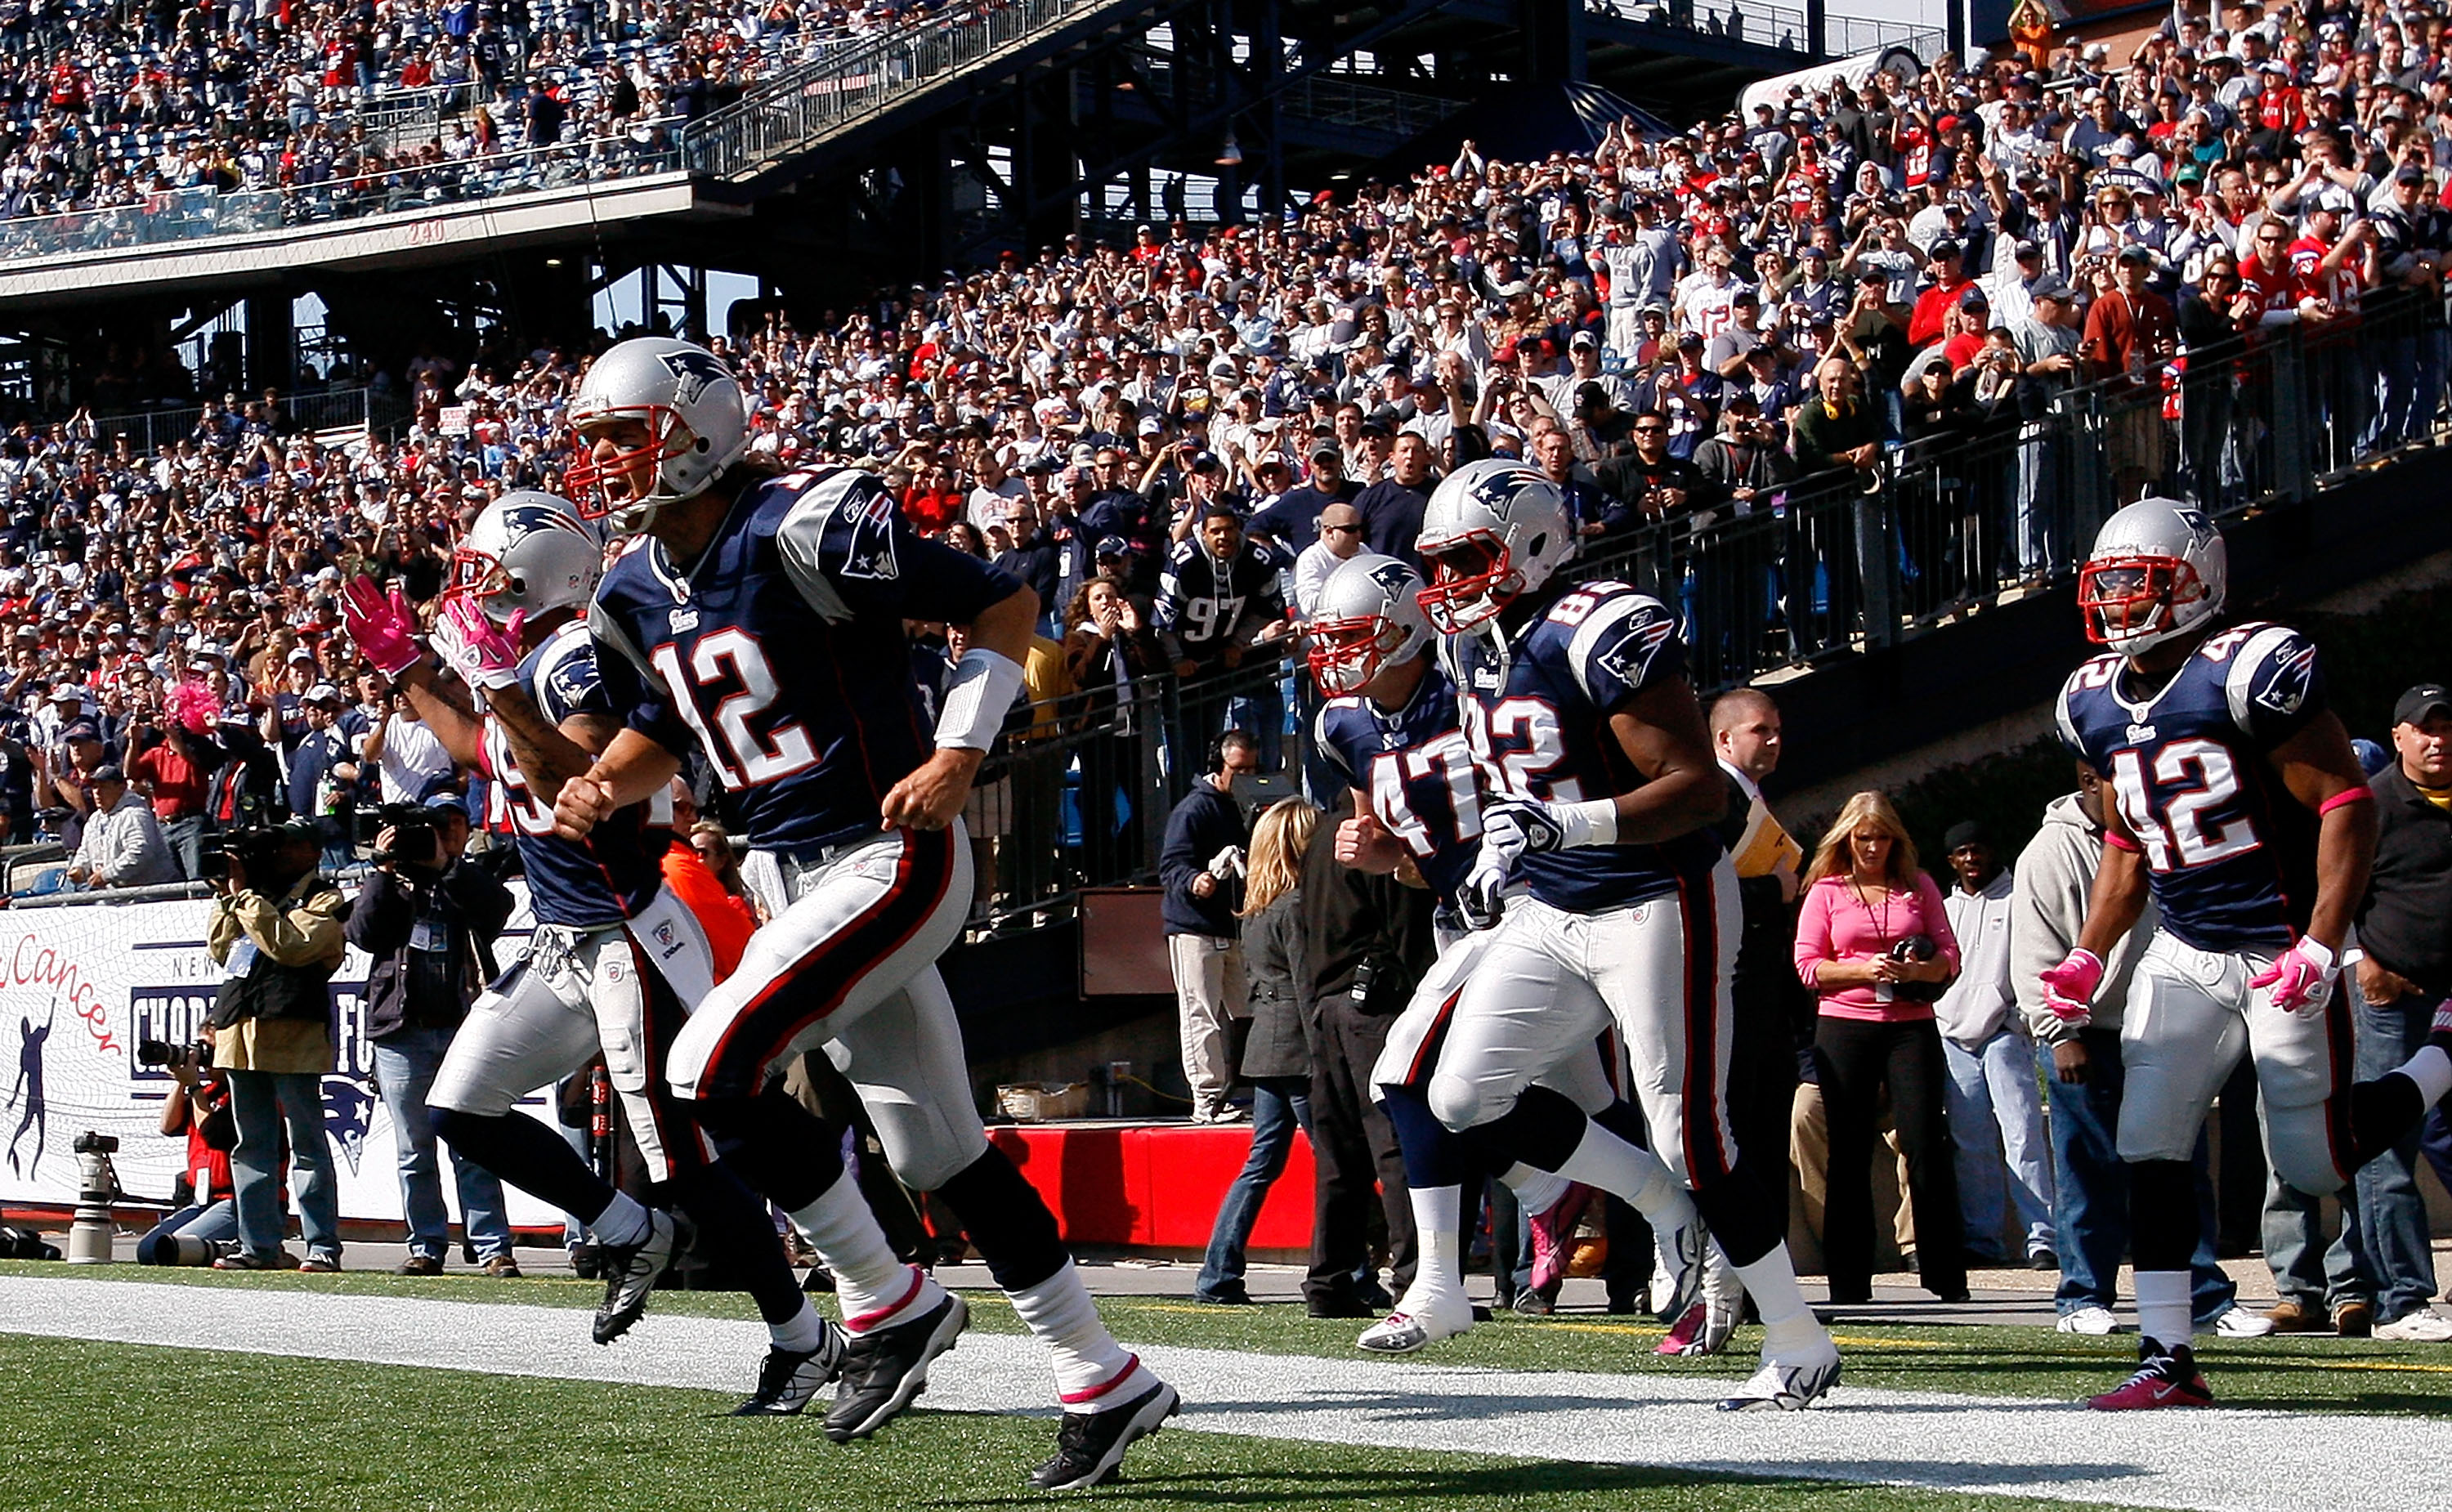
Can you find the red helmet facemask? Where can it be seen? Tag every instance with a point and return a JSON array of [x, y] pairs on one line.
[[585, 478], [1473, 578], [1345, 654], [2124, 597]]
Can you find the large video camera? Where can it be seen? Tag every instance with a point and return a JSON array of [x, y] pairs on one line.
[[416, 836], [257, 850]]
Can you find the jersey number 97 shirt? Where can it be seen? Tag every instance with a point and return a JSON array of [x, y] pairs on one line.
[[2230, 854], [781, 652]]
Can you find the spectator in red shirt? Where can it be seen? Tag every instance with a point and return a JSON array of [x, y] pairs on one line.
[[2129, 334], [1950, 280], [165, 764]]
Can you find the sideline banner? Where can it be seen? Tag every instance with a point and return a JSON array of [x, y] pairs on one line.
[[81, 985]]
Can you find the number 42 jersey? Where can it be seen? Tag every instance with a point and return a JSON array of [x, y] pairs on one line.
[[1536, 714], [2229, 853], [780, 648]]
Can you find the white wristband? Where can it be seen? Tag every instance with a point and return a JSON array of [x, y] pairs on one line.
[[1589, 823], [977, 698], [2317, 953]]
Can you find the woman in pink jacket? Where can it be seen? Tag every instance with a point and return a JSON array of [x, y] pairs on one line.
[[1874, 945]]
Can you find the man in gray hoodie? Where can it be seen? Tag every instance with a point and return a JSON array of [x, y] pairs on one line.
[[2083, 1076]]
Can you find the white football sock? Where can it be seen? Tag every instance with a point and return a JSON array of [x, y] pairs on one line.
[[802, 1334], [1634, 1173], [1093, 1372], [1790, 1326], [2432, 1070], [1438, 1266], [875, 1289], [622, 1222], [1536, 1190], [2163, 1311]]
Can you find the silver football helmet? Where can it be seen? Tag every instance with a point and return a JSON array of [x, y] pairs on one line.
[[527, 551], [1493, 532], [697, 420], [2157, 570], [1368, 616]]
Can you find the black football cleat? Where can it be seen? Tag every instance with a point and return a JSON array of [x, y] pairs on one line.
[[630, 1272], [790, 1378], [1089, 1448], [885, 1368]]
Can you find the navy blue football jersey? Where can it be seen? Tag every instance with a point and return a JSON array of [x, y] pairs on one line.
[[1415, 774], [611, 875], [781, 651], [1537, 717], [2231, 854]]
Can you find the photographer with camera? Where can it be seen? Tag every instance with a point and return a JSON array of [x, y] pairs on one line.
[[198, 1233], [122, 845], [276, 930], [426, 916]]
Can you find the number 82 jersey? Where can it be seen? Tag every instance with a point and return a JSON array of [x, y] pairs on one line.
[[2229, 853]]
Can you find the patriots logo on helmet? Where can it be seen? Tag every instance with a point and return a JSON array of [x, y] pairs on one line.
[[694, 372], [2195, 519], [1393, 576], [1500, 490], [348, 1112], [2285, 686], [1630, 661]]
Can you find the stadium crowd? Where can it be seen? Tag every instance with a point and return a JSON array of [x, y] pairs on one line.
[[114, 106], [1935, 289]]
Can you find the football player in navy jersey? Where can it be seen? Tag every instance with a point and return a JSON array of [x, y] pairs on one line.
[[2240, 808], [1390, 729], [617, 959], [761, 619], [1599, 793]]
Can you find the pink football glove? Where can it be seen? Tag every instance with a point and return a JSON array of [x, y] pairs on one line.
[[2299, 975], [385, 629], [485, 655], [2069, 988]]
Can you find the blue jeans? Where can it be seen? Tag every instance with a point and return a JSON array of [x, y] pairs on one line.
[[1996, 1119], [185, 838], [263, 1103], [2090, 1188], [2392, 1215], [1279, 1104], [405, 1061]]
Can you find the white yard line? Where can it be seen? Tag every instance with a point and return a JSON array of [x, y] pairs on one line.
[[2217, 1460]]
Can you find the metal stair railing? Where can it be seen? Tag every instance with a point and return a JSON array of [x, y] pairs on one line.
[[795, 112]]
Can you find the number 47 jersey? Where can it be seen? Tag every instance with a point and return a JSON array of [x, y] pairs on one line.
[[1414, 773], [2229, 853]]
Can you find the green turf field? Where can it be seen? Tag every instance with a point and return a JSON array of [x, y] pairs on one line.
[[138, 1428], [2300, 1374]]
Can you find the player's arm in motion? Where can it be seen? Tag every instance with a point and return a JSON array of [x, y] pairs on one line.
[[2322, 772], [1663, 732]]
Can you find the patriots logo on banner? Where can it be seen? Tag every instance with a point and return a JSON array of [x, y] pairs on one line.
[[869, 551], [2285, 686], [694, 372], [348, 1112], [1630, 661]]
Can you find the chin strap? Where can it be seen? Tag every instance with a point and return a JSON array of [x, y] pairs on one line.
[[977, 698]]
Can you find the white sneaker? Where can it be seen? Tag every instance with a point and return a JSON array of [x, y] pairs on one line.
[[1418, 1322], [1784, 1386], [2415, 1328], [2094, 1322], [2243, 1323]]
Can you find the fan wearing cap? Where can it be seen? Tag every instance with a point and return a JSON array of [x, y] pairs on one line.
[[1949, 281], [2130, 332], [123, 844]]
